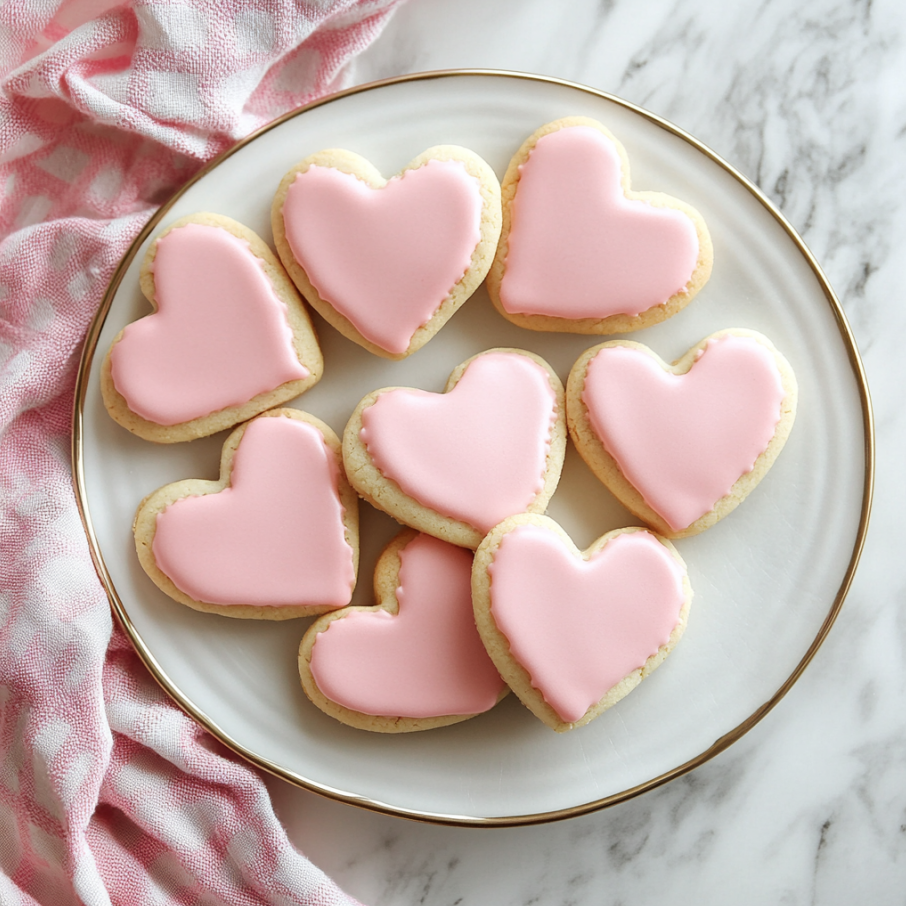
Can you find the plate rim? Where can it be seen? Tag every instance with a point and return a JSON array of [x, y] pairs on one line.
[[185, 703]]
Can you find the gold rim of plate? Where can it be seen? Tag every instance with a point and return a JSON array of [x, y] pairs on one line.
[[190, 708]]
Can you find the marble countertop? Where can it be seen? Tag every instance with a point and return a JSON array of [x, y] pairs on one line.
[[810, 805]]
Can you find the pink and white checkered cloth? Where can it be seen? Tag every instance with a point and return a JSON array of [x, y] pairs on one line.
[[108, 793]]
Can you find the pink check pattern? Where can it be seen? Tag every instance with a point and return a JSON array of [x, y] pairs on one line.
[[108, 793]]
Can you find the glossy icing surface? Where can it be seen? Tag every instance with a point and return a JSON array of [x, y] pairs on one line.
[[385, 258], [478, 453], [579, 626], [577, 247], [219, 337], [425, 661], [274, 537], [684, 440]]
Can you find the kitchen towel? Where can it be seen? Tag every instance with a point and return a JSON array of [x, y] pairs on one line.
[[108, 793]]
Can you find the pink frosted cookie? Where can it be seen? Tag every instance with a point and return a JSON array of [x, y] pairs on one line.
[[579, 250], [572, 632], [454, 464], [388, 262], [229, 337], [413, 662], [682, 445], [275, 538]]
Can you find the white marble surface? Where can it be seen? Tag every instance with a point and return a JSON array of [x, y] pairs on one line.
[[810, 806]]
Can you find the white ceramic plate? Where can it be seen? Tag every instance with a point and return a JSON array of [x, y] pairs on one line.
[[768, 580]]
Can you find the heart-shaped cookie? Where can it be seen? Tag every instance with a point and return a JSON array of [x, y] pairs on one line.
[[573, 632], [455, 464], [579, 251], [276, 537], [415, 661], [387, 263], [682, 445], [229, 339]]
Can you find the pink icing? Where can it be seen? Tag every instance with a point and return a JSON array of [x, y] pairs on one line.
[[219, 337], [578, 248], [579, 627], [274, 537], [478, 453], [426, 661], [684, 440], [385, 258]]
